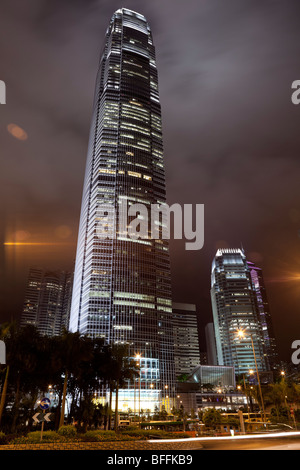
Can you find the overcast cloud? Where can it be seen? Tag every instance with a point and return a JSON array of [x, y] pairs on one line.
[[231, 133]]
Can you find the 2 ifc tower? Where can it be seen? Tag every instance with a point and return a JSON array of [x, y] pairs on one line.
[[122, 285]]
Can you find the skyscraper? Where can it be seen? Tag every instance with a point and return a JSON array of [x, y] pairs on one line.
[[265, 315], [235, 309], [47, 301], [186, 339], [122, 286], [211, 348]]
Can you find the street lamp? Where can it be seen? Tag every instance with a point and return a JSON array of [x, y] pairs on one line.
[[241, 335], [282, 373]]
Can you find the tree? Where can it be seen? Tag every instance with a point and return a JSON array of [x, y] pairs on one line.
[[211, 418], [182, 378], [280, 395], [90, 375], [72, 349], [5, 331], [123, 369], [24, 351]]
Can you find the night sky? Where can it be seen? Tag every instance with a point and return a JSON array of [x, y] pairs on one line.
[[231, 136]]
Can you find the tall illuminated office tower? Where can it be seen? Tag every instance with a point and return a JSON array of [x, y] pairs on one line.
[[235, 308], [122, 286], [265, 315]]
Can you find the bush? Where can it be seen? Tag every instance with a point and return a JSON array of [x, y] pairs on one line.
[[91, 436], [67, 431], [102, 436], [130, 427], [35, 436], [3, 438], [155, 433]]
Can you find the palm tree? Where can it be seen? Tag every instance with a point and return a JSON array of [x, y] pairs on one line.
[[89, 377], [25, 370], [276, 396], [5, 331], [123, 369], [72, 350], [23, 350]]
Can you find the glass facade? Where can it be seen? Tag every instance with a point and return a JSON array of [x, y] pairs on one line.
[[217, 376], [47, 301], [265, 315], [235, 309], [186, 340], [122, 286]]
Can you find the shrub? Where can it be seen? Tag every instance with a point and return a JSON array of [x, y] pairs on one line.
[[35, 436], [155, 433], [3, 438], [92, 436], [131, 427], [101, 436], [98, 436], [67, 431]]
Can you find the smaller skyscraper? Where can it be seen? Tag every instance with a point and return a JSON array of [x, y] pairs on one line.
[[264, 315], [47, 301], [235, 309], [186, 339], [211, 347]]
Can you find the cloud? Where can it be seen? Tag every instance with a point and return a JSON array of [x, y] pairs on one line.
[[231, 134]]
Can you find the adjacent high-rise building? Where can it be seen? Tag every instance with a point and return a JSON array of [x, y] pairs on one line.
[[122, 286], [235, 310], [264, 315], [211, 348], [186, 338], [47, 301]]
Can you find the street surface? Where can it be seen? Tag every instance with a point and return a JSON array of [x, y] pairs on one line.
[[274, 443]]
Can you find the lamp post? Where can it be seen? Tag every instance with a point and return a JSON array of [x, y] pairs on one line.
[[246, 392], [241, 334], [282, 373]]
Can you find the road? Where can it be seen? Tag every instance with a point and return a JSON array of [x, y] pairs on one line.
[[274, 443]]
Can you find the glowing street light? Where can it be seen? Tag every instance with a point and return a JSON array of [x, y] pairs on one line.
[[241, 334]]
